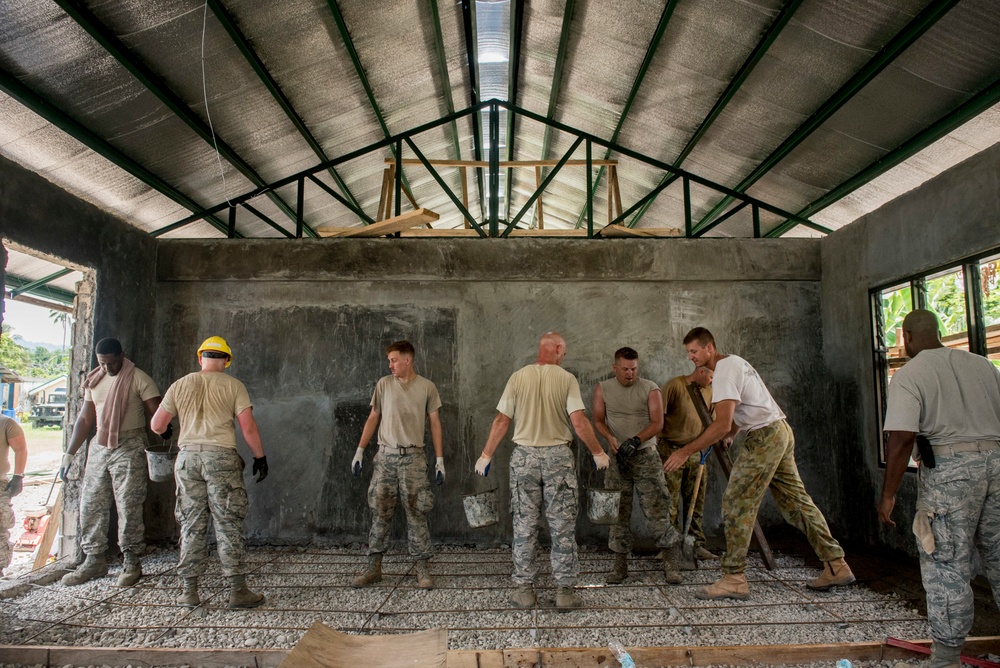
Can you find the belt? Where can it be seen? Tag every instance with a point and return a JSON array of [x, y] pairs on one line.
[[555, 445], [767, 426], [647, 446], [972, 446], [204, 447], [400, 449]]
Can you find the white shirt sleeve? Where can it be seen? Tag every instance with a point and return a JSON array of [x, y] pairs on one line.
[[902, 406]]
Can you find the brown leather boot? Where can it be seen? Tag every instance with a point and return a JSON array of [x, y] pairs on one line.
[[523, 596], [424, 580], [619, 571], [189, 595], [567, 599], [131, 569], [94, 566], [670, 570], [730, 585], [835, 573], [240, 596], [372, 574]]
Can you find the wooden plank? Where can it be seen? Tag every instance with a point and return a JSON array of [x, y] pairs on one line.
[[639, 232], [388, 226], [379, 215], [43, 303], [617, 191], [324, 647], [45, 545], [549, 233], [390, 192], [50, 655], [503, 163], [440, 232], [611, 196], [465, 194], [538, 202], [470, 658]]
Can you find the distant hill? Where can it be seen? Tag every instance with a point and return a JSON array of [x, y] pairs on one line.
[[31, 345]]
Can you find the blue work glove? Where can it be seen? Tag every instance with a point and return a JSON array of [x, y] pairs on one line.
[[439, 470]]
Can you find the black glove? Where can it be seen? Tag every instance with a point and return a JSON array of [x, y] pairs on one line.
[[15, 485], [259, 468], [168, 432], [629, 447]]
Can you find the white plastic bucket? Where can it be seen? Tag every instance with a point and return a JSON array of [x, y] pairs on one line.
[[481, 509], [161, 464], [602, 505]]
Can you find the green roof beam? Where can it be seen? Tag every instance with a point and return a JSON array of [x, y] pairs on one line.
[[514, 65], [472, 55], [279, 96], [765, 42], [654, 44], [20, 286], [923, 22], [442, 62], [557, 73], [41, 282]]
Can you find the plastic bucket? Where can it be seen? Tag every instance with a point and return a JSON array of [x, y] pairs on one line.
[[602, 505], [161, 464], [481, 509]]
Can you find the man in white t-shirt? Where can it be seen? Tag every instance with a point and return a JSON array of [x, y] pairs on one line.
[[119, 399], [544, 402], [951, 397], [403, 403], [742, 402]]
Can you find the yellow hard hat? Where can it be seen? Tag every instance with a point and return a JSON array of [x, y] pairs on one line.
[[216, 344]]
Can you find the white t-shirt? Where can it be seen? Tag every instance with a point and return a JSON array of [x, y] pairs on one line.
[[143, 389], [736, 379], [540, 398], [951, 396]]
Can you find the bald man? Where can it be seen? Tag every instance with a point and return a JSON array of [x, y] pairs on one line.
[[545, 404], [952, 397]]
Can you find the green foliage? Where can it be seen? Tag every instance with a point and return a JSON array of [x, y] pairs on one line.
[[39, 363], [895, 306], [946, 297]]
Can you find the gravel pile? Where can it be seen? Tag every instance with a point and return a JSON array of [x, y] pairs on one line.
[[305, 585]]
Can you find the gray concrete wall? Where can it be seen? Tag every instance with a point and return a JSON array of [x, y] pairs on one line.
[[953, 216], [37, 216], [308, 321]]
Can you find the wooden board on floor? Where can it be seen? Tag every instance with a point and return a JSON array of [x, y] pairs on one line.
[[622, 231], [51, 529], [392, 225], [323, 647]]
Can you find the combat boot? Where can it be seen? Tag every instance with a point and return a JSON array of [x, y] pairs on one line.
[[567, 599], [701, 553], [835, 573], [942, 656], [372, 574], [524, 596], [131, 569], [240, 596], [730, 585], [93, 567], [424, 580], [670, 571], [619, 571], [189, 595]]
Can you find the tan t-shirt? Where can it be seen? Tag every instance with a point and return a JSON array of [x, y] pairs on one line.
[[404, 407], [540, 398], [206, 404], [681, 423], [9, 428], [143, 388], [626, 409]]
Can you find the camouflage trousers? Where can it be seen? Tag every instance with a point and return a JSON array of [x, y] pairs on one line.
[[962, 493], [645, 479], [768, 460], [210, 483], [121, 473], [544, 475], [6, 524], [400, 476], [680, 486]]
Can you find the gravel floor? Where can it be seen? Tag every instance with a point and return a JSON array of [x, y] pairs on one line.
[[304, 585]]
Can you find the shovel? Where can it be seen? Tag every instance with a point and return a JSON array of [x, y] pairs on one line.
[[688, 562]]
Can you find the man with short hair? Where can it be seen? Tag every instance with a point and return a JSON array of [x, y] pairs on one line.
[[951, 398], [544, 401], [11, 438], [209, 471], [402, 404], [768, 460], [681, 425], [118, 399], [628, 413]]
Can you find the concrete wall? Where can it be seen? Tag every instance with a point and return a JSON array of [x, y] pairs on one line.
[[119, 301], [308, 321], [951, 217]]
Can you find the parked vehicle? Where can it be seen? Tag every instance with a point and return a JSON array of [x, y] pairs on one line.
[[50, 414]]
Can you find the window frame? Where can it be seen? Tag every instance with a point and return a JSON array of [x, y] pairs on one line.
[[975, 319]]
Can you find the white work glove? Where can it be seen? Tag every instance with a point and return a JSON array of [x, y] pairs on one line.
[[439, 470], [67, 461], [483, 465], [602, 461], [356, 462]]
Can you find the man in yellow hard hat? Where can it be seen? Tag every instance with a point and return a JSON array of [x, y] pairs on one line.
[[209, 471]]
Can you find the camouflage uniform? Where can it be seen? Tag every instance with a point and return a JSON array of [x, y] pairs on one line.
[[121, 471], [645, 478], [680, 485], [210, 481], [962, 493], [537, 475], [768, 460], [6, 524], [407, 473]]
